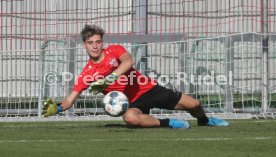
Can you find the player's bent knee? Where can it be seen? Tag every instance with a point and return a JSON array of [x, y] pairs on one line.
[[196, 103], [188, 102], [131, 119]]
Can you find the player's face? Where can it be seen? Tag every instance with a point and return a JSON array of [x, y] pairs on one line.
[[94, 46]]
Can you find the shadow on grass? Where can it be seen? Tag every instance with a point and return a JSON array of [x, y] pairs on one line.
[[119, 126]]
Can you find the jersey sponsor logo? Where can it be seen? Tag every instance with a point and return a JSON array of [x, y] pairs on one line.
[[113, 62]]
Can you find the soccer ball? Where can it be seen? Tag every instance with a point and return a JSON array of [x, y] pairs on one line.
[[115, 103]]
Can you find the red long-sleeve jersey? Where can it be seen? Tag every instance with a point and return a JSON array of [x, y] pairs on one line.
[[133, 84]]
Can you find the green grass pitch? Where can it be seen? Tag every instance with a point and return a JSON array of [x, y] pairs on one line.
[[245, 138]]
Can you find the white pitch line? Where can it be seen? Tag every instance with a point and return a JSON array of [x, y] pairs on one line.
[[41, 125], [264, 121], [118, 140]]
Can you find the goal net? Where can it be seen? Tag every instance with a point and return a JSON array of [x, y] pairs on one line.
[[204, 48], [224, 73]]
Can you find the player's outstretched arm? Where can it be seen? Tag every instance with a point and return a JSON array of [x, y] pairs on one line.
[[69, 100], [51, 107]]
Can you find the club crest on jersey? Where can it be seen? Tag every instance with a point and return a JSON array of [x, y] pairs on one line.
[[113, 62]]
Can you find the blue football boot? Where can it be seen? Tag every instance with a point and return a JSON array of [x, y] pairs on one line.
[[212, 121], [178, 124]]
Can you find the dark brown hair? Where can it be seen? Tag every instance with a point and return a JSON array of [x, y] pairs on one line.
[[90, 30]]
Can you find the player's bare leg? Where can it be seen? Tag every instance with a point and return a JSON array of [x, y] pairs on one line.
[[191, 105], [134, 116], [195, 109]]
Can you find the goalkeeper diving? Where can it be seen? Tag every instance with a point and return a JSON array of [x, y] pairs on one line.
[[111, 69]]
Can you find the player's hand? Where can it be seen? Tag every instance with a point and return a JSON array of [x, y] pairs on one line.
[[50, 107], [99, 85]]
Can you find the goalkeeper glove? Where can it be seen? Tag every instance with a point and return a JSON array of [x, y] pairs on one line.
[[100, 85], [50, 107]]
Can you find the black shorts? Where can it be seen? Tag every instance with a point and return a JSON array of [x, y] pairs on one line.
[[158, 97]]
